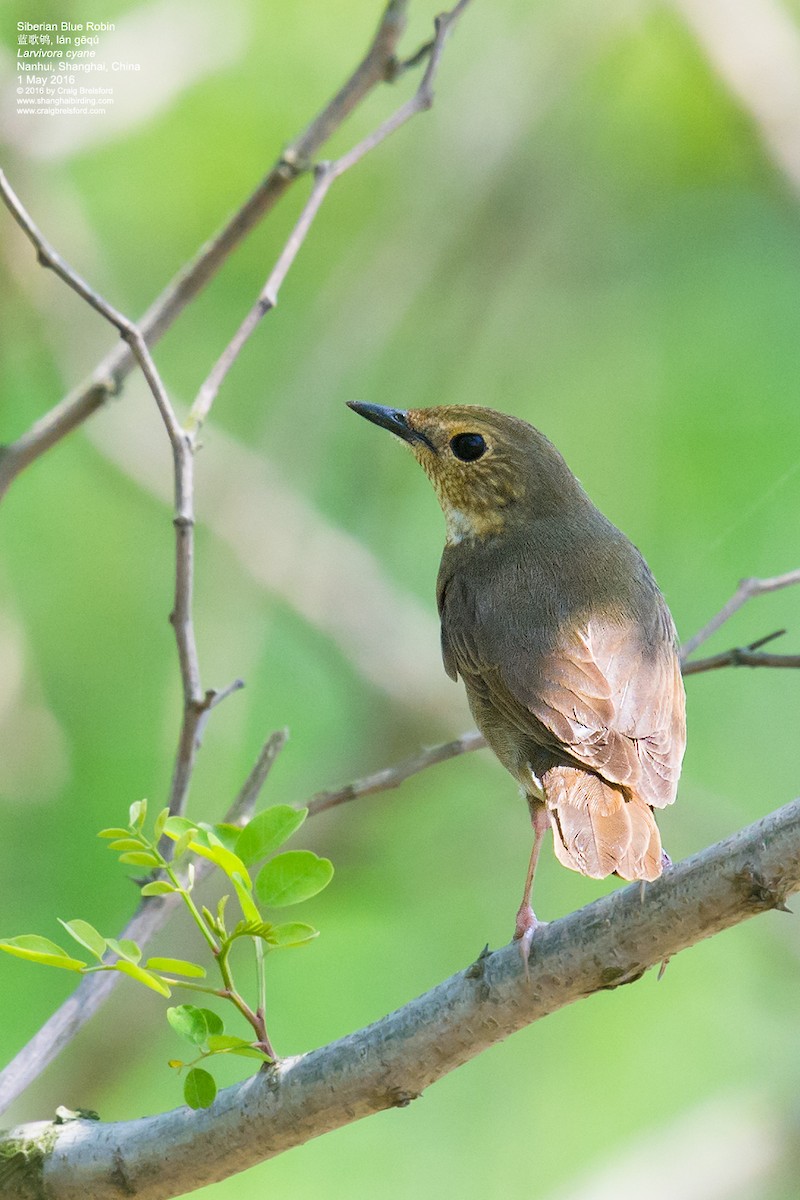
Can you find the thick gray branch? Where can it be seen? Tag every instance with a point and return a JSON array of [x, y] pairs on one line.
[[390, 1063]]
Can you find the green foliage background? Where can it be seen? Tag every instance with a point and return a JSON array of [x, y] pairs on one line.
[[585, 231]]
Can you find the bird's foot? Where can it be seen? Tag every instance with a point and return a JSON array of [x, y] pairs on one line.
[[526, 926]]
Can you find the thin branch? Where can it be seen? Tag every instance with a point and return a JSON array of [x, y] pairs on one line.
[[49, 258], [325, 586], [244, 805], [150, 917], [107, 379], [391, 777], [324, 176], [197, 704], [266, 301], [744, 657], [747, 589], [391, 1062]]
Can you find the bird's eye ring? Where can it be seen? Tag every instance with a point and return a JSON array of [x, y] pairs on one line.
[[468, 446]]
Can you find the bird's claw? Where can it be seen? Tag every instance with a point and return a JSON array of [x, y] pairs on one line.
[[525, 928]]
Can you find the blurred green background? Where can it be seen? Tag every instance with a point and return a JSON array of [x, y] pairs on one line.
[[591, 229]]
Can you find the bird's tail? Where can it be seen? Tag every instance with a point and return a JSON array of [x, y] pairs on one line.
[[597, 829]]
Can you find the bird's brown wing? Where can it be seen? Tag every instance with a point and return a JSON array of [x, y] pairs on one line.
[[614, 700], [611, 694], [608, 691], [604, 699]]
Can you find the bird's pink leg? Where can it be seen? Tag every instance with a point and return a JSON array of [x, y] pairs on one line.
[[527, 922]]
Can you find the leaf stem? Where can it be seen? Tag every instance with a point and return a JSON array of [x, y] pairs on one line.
[[256, 1019], [222, 993], [261, 1011], [193, 909]]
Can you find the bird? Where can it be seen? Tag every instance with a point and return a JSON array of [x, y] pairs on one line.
[[565, 645]]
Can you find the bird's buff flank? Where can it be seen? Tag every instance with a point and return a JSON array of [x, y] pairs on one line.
[[566, 647]]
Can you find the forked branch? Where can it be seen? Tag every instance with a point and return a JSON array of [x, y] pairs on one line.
[[380, 64], [325, 175], [747, 590]]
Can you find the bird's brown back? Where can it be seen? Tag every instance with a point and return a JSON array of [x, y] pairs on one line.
[[568, 655]]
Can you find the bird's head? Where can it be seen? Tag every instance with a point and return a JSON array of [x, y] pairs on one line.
[[485, 466]]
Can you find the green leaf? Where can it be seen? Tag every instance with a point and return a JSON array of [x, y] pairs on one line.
[[227, 1044], [86, 935], [226, 860], [214, 1022], [126, 843], [260, 929], [244, 893], [249, 1052], [141, 858], [41, 950], [137, 813], [269, 830], [126, 949], [175, 827], [218, 1042], [158, 887], [159, 823], [291, 877], [142, 976], [182, 845], [194, 1024], [294, 933], [176, 966], [227, 834], [199, 1090], [114, 833]]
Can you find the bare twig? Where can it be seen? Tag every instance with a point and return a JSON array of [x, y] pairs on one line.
[[244, 804], [196, 703], [391, 777], [378, 65], [324, 176], [151, 916], [390, 1063], [747, 589], [326, 585], [744, 657]]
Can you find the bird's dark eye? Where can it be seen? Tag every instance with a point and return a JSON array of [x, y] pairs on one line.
[[468, 446]]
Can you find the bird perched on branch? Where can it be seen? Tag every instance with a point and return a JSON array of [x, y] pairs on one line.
[[564, 642]]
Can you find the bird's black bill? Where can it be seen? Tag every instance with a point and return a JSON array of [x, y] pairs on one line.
[[393, 419]]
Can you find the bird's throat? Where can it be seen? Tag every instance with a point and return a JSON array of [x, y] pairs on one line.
[[466, 526]]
